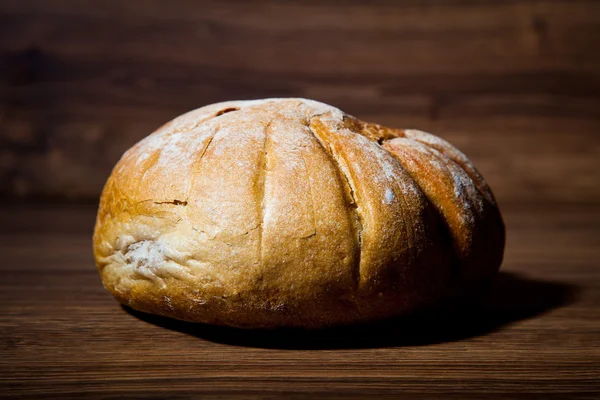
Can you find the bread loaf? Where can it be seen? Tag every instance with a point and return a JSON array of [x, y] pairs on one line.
[[288, 212]]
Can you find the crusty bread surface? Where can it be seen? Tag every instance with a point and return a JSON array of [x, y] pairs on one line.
[[290, 213]]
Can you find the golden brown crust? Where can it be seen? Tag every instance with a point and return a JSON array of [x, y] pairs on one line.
[[288, 212]]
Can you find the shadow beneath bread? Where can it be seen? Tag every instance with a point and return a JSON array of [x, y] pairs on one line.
[[511, 298]]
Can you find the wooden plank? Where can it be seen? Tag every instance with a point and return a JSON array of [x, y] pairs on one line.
[[320, 36]]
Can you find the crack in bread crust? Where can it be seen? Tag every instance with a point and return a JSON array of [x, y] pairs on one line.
[[349, 194]]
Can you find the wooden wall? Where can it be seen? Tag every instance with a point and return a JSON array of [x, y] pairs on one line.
[[514, 84]]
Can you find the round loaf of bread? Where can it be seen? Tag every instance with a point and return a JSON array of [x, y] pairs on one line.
[[288, 212]]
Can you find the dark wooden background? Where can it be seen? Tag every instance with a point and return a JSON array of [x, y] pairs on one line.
[[514, 84]]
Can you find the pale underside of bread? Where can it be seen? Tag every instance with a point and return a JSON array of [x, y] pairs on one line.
[[288, 212]]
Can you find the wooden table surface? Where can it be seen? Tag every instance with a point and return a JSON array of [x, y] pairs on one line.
[[537, 334]]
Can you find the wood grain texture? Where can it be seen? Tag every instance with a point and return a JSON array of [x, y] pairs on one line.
[[536, 335], [515, 84]]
